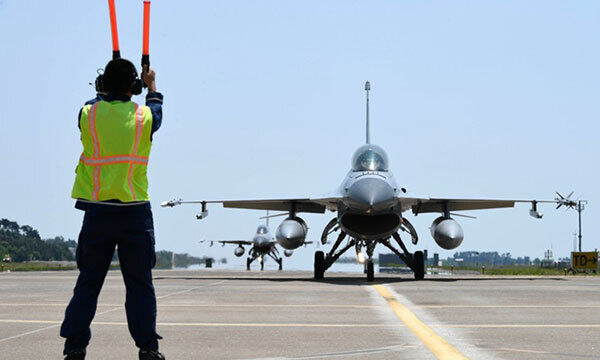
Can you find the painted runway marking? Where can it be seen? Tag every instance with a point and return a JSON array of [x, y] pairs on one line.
[[209, 324], [246, 305], [523, 350], [58, 323], [550, 355], [386, 349], [436, 344], [490, 326], [29, 333], [506, 306], [188, 290]]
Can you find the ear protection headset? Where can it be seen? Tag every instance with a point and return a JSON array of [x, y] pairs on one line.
[[136, 84], [135, 88]]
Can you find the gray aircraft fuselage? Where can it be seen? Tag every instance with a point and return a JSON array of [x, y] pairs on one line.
[[262, 241], [369, 209]]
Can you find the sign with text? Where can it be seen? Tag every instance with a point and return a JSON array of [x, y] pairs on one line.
[[584, 260]]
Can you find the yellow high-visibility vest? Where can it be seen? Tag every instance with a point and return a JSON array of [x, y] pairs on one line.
[[116, 148]]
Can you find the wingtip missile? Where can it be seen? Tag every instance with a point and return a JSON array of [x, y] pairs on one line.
[[171, 203]]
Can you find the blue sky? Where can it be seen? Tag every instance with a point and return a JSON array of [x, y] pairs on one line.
[[492, 99]]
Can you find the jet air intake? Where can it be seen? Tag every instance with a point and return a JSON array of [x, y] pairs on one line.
[[291, 233], [447, 233]]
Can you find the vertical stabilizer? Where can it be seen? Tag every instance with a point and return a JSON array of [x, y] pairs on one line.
[[367, 89], [268, 220]]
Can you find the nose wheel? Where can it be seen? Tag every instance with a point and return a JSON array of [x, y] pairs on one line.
[[370, 269]]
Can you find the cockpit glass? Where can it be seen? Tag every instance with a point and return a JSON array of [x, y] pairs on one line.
[[262, 230], [370, 158]]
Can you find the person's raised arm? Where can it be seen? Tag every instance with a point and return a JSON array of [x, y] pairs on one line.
[[149, 77]]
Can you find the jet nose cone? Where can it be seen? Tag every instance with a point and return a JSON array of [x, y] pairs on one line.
[[260, 240], [370, 192]]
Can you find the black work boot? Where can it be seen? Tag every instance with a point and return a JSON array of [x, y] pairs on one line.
[[78, 354], [151, 355]]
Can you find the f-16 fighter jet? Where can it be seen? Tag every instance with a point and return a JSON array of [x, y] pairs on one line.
[[369, 207], [262, 244]]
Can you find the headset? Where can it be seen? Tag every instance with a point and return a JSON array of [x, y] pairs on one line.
[[136, 83]]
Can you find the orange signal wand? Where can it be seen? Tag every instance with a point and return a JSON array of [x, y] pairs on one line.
[[113, 29], [146, 39]]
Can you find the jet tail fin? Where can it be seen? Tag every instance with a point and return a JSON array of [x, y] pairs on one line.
[[367, 89]]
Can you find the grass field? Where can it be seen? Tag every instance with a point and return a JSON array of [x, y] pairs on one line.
[[35, 266], [41, 266], [512, 270]]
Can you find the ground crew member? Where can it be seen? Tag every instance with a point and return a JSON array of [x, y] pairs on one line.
[[112, 188]]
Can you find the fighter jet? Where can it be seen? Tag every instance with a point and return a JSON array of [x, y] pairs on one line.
[[369, 207], [262, 244]]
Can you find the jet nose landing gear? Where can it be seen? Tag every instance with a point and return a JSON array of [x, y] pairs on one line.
[[370, 269]]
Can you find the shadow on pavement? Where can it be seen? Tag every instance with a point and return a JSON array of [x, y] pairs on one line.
[[352, 280]]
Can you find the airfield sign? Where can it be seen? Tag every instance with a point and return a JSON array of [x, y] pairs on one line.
[[584, 260]]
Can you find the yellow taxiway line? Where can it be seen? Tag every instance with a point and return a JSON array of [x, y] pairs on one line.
[[438, 346]]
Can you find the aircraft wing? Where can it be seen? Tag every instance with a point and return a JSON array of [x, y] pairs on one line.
[[237, 242], [429, 205], [306, 205], [319, 205]]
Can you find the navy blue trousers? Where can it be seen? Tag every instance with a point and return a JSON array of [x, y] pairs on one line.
[[131, 229]]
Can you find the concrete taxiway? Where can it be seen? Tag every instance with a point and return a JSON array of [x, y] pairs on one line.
[[287, 315]]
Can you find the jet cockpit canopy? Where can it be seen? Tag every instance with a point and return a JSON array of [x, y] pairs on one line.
[[370, 157], [262, 229]]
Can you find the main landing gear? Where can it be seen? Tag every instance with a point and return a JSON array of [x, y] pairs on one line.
[[415, 261], [278, 259], [255, 254]]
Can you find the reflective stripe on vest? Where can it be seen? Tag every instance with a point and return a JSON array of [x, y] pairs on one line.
[[115, 176]]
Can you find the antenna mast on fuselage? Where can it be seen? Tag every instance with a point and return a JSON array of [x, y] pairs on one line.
[[367, 89]]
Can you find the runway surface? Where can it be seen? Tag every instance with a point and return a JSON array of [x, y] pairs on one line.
[[287, 315]]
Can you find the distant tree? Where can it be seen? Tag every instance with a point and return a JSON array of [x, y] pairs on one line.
[[24, 243]]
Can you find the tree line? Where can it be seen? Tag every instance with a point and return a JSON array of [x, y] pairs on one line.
[[23, 243]]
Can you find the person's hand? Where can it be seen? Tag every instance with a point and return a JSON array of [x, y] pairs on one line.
[[149, 77]]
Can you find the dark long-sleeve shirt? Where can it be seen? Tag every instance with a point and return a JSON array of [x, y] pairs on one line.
[[154, 101]]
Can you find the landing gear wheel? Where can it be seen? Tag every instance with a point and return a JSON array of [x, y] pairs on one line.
[[248, 261], [419, 265], [319, 265], [280, 264], [262, 265], [370, 271]]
